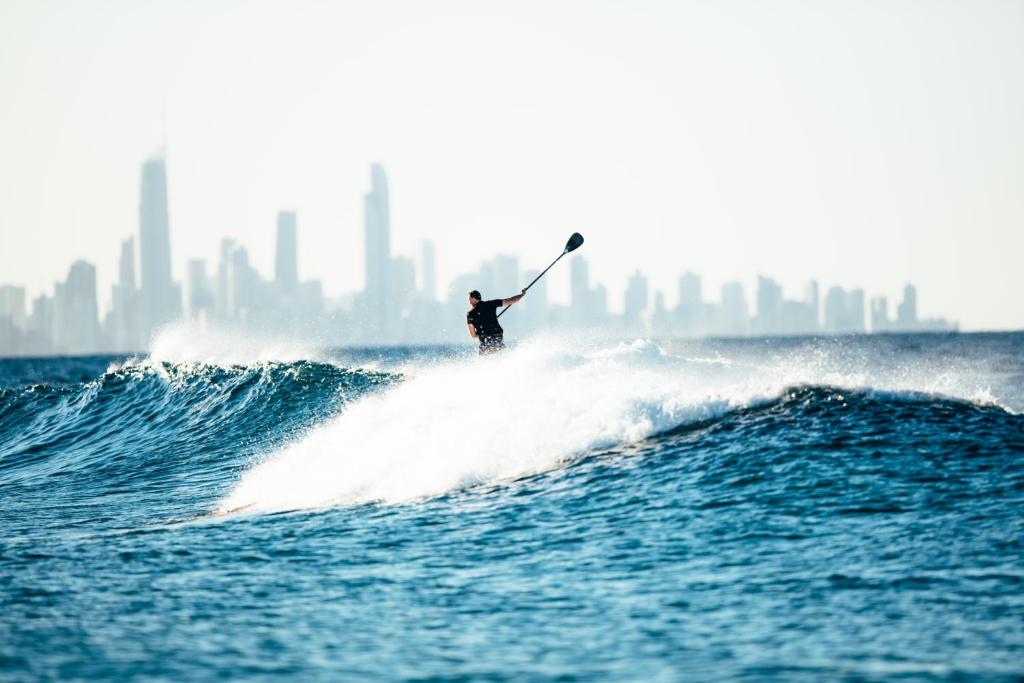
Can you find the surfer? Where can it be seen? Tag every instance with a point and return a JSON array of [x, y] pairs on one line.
[[483, 321]]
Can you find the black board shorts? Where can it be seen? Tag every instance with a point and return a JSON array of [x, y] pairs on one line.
[[491, 344]]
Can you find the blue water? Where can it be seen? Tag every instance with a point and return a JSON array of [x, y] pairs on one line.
[[834, 509]]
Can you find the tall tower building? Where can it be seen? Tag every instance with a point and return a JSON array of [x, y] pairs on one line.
[[906, 312], [77, 319], [579, 282], [200, 294], [880, 314], [769, 307], [579, 289], [836, 311], [124, 332], [429, 270], [506, 275], [814, 306], [691, 304], [734, 317], [690, 291], [12, 305], [855, 310], [286, 270], [160, 298], [377, 224], [636, 299]]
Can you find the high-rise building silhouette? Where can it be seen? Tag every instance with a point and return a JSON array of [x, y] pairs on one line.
[[880, 314], [506, 275], [286, 264], [42, 321], [733, 317], [243, 283], [428, 269], [222, 294], [403, 280], [579, 280], [76, 327], [855, 310], [160, 297], [12, 320], [123, 325], [579, 290], [835, 310], [691, 304], [769, 307], [844, 311], [906, 312], [377, 232], [534, 307], [200, 293], [636, 300], [814, 306], [12, 305]]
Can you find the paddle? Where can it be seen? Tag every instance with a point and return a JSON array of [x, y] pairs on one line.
[[572, 245]]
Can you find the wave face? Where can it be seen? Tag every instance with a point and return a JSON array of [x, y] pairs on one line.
[[839, 508]]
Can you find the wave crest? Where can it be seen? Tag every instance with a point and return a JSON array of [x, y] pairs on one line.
[[456, 424]]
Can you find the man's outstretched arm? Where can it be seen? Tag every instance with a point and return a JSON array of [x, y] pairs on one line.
[[517, 297]]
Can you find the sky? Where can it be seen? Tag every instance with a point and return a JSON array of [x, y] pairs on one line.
[[862, 143]]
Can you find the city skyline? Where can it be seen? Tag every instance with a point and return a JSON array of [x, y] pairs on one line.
[[398, 302], [675, 134]]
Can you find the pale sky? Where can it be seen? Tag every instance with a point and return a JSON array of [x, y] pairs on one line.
[[865, 143]]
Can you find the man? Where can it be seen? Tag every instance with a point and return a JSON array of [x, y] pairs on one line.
[[482, 321]]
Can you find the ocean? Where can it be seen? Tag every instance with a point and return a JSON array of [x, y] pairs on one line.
[[802, 509]]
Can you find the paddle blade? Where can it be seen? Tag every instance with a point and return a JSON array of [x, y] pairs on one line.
[[574, 242]]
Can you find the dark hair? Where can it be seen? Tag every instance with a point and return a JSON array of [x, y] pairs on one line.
[[475, 295]]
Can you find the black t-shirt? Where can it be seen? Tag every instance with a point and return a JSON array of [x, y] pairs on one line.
[[484, 319]]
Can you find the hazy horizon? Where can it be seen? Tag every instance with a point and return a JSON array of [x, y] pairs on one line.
[[864, 146]]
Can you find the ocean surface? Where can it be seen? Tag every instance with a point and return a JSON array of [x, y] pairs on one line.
[[787, 509]]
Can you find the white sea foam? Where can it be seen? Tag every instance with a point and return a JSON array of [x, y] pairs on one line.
[[462, 422], [221, 345]]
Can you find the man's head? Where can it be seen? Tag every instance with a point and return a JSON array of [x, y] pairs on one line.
[[474, 298]]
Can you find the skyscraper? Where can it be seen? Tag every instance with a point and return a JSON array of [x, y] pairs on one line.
[[733, 317], [769, 307], [814, 305], [77, 322], [855, 310], [222, 294], [123, 323], [286, 270], [580, 287], [880, 314], [200, 294], [160, 298], [377, 224], [835, 310], [906, 311], [244, 287], [691, 304], [844, 311], [636, 300], [12, 305], [42, 322], [429, 285], [534, 307]]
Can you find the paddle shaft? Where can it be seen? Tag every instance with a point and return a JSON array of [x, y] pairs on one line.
[[502, 311]]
